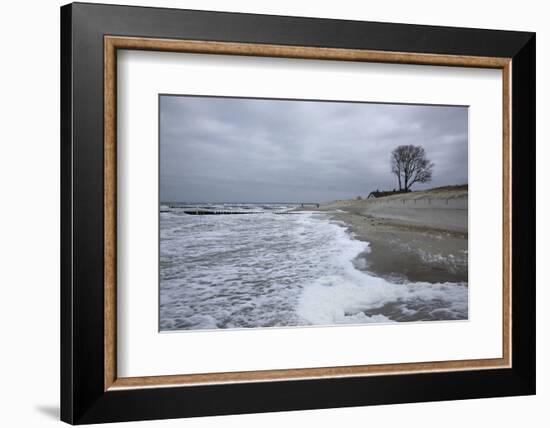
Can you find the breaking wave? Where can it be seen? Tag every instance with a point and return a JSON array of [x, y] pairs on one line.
[[272, 270]]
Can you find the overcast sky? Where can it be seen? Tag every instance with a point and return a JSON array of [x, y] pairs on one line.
[[248, 150]]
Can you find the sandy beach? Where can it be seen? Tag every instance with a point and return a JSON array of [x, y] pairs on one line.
[[417, 236], [253, 230]]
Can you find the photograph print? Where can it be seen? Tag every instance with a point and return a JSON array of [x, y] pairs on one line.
[[294, 213]]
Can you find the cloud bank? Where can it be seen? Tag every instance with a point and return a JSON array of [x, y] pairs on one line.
[[215, 149]]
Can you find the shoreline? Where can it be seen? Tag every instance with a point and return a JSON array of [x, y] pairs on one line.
[[413, 237], [413, 268]]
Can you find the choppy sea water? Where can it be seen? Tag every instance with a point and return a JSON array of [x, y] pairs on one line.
[[271, 269]]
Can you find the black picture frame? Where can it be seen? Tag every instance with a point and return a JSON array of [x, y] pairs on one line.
[[83, 398]]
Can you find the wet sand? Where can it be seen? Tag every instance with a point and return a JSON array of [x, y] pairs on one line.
[[418, 236]]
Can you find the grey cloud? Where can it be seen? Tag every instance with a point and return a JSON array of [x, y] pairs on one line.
[[230, 149]]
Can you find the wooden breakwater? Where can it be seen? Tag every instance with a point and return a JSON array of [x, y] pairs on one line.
[[205, 210], [216, 212]]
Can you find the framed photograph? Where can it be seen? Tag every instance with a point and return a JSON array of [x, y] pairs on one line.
[[266, 213]]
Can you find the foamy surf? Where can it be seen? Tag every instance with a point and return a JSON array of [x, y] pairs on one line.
[[273, 270], [353, 296], [338, 301]]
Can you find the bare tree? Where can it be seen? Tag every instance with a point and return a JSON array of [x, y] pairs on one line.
[[396, 164], [410, 165]]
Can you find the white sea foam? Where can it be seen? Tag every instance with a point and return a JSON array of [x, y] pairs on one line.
[[349, 295], [340, 300], [270, 270]]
